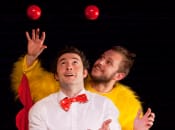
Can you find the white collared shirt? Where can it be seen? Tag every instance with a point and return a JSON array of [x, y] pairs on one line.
[[47, 113]]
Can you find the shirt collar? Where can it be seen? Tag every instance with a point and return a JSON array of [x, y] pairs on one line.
[[61, 95]]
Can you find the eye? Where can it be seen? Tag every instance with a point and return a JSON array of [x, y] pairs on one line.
[[63, 62], [109, 62], [75, 62]]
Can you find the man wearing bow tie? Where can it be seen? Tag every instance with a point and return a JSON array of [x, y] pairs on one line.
[[73, 108], [109, 69]]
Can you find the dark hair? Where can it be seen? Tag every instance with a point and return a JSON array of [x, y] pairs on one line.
[[128, 59], [71, 49]]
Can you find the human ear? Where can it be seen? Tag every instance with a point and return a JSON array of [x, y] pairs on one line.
[[119, 76]]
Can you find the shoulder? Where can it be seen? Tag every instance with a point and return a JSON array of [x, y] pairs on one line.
[[125, 97], [125, 90], [95, 95], [45, 101], [98, 99]]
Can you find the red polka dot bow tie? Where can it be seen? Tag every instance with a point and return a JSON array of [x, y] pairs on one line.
[[66, 102]]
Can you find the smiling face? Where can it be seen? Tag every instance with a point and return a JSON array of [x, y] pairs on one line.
[[106, 67], [70, 70]]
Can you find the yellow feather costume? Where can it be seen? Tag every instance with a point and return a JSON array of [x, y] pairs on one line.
[[42, 83]]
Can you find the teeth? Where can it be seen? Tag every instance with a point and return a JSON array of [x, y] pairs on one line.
[[97, 68], [69, 75]]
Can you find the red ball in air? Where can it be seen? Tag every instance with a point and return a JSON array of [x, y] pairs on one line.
[[92, 12], [34, 12]]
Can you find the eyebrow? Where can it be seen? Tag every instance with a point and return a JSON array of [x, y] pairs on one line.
[[74, 58], [107, 57]]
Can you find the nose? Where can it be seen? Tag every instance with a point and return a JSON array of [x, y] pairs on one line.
[[69, 67], [101, 61]]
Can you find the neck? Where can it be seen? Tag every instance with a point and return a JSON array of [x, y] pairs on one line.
[[102, 87], [72, 91]]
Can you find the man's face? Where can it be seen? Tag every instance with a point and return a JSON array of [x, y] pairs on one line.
[[106, 67], [70, 69]]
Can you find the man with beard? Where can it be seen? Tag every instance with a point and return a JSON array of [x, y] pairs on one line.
[[113, 66]]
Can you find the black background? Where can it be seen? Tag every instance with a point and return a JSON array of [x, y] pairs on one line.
[[146, 27]]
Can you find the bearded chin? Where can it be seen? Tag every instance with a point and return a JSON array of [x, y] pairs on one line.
[[100, 79]]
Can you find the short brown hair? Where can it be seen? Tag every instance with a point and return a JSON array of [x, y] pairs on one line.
[[72, 49], [128, 59]]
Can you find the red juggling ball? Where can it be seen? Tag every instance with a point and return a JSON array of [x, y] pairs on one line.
[[92, 12], [33, 12]]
